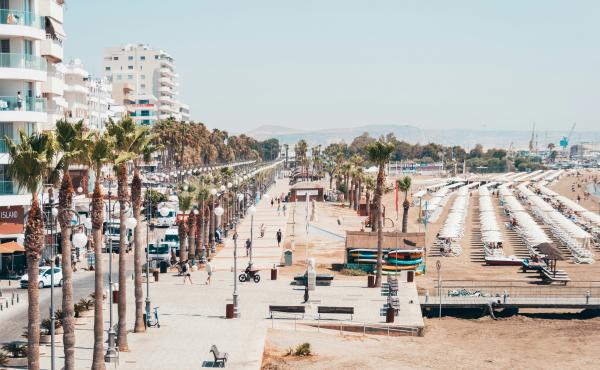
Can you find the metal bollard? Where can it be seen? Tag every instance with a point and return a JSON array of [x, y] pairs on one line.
[[426, 296], [588, 294], [17, 297]]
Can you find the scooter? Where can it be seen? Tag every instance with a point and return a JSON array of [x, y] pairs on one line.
[[149, 322]]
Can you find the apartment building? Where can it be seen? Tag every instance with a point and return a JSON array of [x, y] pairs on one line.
[[31, 90], [145, 81]]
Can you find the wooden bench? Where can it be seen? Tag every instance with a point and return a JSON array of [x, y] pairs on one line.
[[335, 310], [220, 357], [287, 309]]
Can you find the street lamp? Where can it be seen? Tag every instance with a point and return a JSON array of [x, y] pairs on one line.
[[252, 211], [211, 236]]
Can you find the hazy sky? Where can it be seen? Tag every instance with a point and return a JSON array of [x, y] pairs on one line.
[[338, 63]]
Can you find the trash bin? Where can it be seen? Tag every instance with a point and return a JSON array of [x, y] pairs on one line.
[[164, 266], [115, 296], [389, 315], [155, 273], [229, 311], [287, 256], [273, 274], [410, 276], [371, 281]]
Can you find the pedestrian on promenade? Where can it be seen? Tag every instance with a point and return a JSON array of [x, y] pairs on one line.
[[185, 269], [248, 246], [272, 202], [57, 261], [284, 209], [279, 237], [209, 271], [278, 210], [262, 230]]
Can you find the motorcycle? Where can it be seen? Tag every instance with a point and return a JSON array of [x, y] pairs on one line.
[[249, 275]]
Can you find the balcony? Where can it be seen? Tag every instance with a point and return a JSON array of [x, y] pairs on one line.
[[52, 47], [166, 81], [22, 109], [76, 89], [14, 66], [52, 8], [19, 23], [53, 85]]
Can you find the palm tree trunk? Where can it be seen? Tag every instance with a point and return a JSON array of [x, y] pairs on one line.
[[351, 194], [138, 251], [191, 230], [64, 218], [378, 221], [97, 220], [357, 199], [182, 240], [198, 240], [34, 241], [122, 304], [405, 206]]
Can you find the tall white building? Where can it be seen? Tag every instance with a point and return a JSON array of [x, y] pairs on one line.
[[31, 34], [145, 81], [89, 99]]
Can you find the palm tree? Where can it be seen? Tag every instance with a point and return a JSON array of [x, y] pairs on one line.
[[359, 176], [100, 154], [404, 186], [201, 198], [124, 135], [345, 170], [185, 202], [379, 153], [143, 148], [72, 141], [30, 165], [369, 189]]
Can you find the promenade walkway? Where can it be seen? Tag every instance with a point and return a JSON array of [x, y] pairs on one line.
[[265, 252]]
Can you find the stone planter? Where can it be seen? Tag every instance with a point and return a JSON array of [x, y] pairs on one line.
[[80, 320], [88, 313], [47, 338], [59, 330], [16, 362]]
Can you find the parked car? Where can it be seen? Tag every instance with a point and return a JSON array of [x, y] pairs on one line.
[[44, 278]]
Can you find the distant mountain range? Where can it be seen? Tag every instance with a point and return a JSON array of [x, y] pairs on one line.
[[413, 135]]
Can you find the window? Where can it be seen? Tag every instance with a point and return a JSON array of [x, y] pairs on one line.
[[115, 58], [130, 77], [145, 113], [156, 57], [130, 57], [119, 77], [143, 77], [107, 68], [143, 86], [130, 67], [142, 57], [144, 101]]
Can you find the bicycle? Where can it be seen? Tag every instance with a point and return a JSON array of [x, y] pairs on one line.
[[149, 322]]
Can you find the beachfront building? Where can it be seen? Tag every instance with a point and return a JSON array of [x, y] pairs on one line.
[[31, 88], [145, 81], [89, 99]]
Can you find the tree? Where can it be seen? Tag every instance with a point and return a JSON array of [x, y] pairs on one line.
[[124, 135], [73, 142], [100, 154], [30, 165], [142, 148], [185, 202], [404, 186], [379, 153]]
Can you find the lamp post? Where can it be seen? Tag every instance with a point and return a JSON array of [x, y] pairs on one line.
[[236, 312], [252, 211], [148, 218]]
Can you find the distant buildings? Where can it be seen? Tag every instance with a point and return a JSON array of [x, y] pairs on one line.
[[145, 82]]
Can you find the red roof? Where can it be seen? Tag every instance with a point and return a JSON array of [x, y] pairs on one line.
[[8, 228]]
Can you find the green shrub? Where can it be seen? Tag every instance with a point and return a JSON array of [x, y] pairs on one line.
[[86, 304], [302, 350], [3, 359], [16, 349]]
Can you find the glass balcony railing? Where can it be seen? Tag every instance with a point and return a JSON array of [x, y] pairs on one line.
[[7, 188], [21, 18], [26, 104], [12, 60]]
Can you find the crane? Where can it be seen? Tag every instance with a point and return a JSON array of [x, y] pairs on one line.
[[531, 141], [564, 142]]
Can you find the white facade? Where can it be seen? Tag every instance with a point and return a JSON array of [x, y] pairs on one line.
[[76, 92], [145, 81], [31, 35]]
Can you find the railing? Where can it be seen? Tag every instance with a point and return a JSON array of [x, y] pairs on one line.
[[29, 104], [7, 187], [575, 289], [19, 17], [13, 60]]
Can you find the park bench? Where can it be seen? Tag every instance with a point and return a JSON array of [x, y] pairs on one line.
[[335, 310], [220, 357], [287, 309], [322, 279]]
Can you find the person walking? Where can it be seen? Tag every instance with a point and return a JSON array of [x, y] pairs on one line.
[[19, 101], [262, 230], [278, 210], [209, 271], [185, 269], [279, 236], [284, 209], [248, 246], [272, 202]]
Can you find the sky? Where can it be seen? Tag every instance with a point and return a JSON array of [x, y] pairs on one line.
[[312, 64]]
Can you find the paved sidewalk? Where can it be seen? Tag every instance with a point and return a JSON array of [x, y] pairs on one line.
[[265, 252]]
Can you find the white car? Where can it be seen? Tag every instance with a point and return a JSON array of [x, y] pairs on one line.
[[44, 278]]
